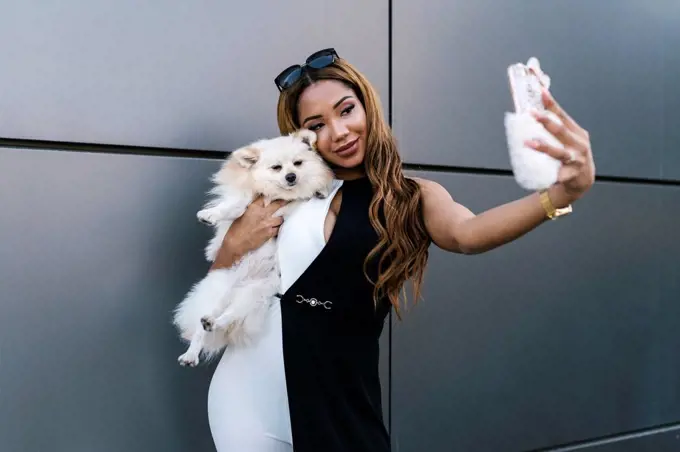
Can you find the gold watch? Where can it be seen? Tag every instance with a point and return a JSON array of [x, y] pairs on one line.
[[550, 210]]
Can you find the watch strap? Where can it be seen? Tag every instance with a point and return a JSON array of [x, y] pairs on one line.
[[550, 210]]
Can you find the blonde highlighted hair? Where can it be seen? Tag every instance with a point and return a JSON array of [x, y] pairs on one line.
[[403, 240]]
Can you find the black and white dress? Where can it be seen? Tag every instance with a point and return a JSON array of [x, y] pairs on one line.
[[311, 383]]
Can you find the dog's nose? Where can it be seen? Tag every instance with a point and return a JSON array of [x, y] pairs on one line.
[[290, 177]]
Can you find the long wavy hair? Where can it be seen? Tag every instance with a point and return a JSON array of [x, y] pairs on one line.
[[403, 240]]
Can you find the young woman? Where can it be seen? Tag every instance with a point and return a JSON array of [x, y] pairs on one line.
[[313, 381]]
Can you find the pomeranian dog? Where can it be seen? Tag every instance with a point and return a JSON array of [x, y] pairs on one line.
[[229, 306]]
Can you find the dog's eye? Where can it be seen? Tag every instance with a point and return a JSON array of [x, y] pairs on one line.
[[277, 167], [297, 163]]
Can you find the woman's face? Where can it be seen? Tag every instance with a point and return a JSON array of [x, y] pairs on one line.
[[333, 111]]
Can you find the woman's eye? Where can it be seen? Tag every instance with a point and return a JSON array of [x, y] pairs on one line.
[[277, 167], [315, 127], [297, 163], [347, 110]]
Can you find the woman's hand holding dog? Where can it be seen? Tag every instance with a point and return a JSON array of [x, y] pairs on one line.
[[257, 225]]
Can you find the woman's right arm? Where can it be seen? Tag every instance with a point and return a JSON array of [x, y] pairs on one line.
[[249, 232]]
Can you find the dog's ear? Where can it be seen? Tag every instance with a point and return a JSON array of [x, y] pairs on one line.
[[307, 136], [247, 156]]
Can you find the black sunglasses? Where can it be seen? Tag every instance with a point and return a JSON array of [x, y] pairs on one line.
[[317, 60]]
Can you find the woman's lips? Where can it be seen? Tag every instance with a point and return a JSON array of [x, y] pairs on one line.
[[348, 149]]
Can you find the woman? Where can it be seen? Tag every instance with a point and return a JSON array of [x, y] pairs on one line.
[[312, 381]]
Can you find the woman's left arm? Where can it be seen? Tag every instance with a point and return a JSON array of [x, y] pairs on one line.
[[455, 228]]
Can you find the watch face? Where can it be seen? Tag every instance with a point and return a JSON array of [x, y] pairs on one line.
[[564, 211]]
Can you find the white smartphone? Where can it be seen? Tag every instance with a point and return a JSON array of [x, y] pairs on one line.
[[525, 87]]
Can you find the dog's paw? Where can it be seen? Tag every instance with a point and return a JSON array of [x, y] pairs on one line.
[[226, 322], [188, 359], [324, 192], [208, 216], [208, 323]]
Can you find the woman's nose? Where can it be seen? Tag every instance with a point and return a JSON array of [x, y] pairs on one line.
[[339, 131]]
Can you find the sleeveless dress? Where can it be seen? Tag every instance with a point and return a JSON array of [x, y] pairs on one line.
[[311, 383]]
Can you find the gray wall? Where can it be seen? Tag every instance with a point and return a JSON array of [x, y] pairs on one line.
[[565, 339], [571, 333]]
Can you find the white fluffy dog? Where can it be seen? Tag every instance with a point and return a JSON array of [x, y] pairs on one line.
[[229, 306]]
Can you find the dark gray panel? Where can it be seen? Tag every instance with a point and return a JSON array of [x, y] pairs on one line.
[[95, 252], [662, 440], [607, 62], [671, 94], [567, 334], [384, 369], [172, 73]]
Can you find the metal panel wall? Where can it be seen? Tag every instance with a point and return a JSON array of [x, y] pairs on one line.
[[671, 95], [197, 75], [96, 249], [614, 67], [565, 335], [661, 440]]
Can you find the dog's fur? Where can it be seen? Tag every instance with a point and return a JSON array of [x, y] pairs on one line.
[[229, 306]]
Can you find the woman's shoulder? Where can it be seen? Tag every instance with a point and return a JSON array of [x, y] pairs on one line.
[[429, 188]]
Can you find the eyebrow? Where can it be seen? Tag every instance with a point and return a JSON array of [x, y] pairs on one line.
[[334, 107]]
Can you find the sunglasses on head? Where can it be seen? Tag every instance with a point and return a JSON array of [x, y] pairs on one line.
[[317, 60]]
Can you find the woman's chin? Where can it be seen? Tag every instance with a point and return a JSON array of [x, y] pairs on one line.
[[349, 163]]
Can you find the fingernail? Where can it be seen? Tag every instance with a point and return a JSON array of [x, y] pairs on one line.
[[540, 115], [548, 94], [531, 143]]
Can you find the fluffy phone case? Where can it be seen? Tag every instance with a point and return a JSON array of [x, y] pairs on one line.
[[533, 170]]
